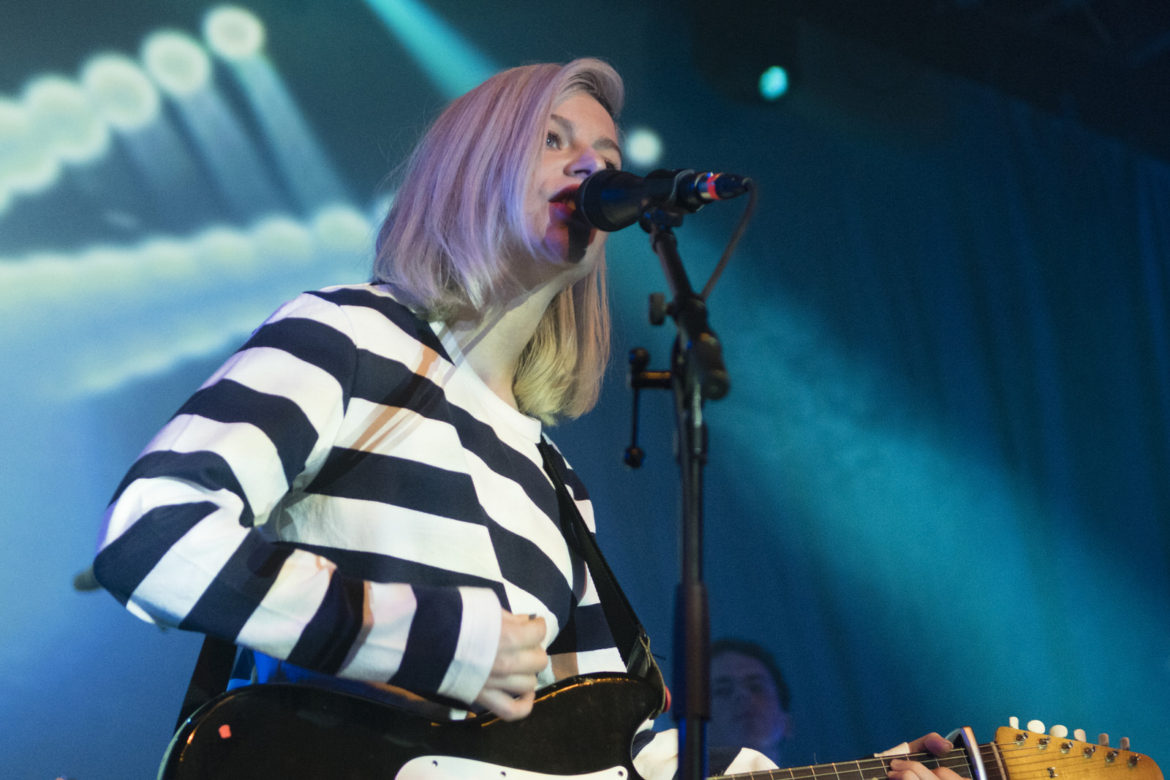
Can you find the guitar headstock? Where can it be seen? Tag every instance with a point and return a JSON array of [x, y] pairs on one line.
[[1028, 755]]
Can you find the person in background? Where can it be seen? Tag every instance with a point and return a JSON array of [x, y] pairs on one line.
[[750, 700]]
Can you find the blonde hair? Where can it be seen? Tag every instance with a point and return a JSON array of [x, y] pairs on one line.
[[457, 224]]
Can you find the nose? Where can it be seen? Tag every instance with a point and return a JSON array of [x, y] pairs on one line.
[[587, 162], [740, 694]]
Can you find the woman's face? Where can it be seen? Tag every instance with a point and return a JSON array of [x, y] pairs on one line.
[[580, 138]]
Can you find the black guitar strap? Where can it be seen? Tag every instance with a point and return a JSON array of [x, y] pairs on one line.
[[628, 633], [213, 669]]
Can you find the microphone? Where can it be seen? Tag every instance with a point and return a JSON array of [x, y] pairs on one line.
[[611, 200]]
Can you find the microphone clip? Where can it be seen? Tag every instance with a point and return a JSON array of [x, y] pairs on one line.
[[640, 378], [662, 217]]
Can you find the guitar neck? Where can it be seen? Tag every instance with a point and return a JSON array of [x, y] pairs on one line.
[[877, 767], [1015, 755]]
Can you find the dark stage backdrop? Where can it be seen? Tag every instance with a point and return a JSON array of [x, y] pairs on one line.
[[937, 490]]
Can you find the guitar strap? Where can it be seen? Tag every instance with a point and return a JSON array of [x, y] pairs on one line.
[[213, 669], [632, 641], [217, 656]]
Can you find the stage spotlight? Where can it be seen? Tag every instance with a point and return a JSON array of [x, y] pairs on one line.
[[121, 92], [643, 147], [232, 32], [295, 150], [176, 62], [773, 83], [60, 113], [26, 161]]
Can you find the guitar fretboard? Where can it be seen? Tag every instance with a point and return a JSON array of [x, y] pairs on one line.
[[876, 768]]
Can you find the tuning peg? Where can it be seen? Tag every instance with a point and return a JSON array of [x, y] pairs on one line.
[[1014, 722], [1036, 726], [1058, 732], [1103, 739], [1079, 735], [1125, 743]]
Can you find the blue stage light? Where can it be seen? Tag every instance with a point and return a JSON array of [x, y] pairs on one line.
[[176, 62], [233, 33], [60, 113], [121, 92], [26, 162], [773, 83], [643, 147]]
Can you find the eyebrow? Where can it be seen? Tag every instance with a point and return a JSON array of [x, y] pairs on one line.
[[603, 143]]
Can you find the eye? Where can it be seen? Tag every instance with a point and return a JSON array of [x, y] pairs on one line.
[[552, 140], [611, 166]]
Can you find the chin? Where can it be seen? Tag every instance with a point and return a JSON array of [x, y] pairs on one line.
[[574, 253]]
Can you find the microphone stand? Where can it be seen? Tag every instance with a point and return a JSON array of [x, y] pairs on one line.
[[697, 373]]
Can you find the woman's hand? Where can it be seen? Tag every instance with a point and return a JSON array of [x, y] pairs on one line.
[[904, 769], [511, 687]]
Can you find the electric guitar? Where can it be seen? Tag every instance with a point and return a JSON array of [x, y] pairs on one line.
[[580, 728]]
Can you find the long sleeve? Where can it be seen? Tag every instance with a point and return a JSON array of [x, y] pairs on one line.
[[205, 531]]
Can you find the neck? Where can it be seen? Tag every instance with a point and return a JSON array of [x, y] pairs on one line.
[[492, 343]]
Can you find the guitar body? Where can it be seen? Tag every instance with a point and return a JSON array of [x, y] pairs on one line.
[[580, 726]]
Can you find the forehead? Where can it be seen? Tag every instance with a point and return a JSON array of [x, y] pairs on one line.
[[586, 115], [738, 666]]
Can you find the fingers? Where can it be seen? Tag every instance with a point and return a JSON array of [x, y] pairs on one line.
[[936, 744], [901, 768], [520, 631], [511, 686], [507, 706], [521, 650], [904, 769], [933, 743]]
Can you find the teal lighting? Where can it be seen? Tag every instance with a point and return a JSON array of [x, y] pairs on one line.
[[26, 164], [231, 155], [236, 37], [773, 83], [453, 64], [643, 147], [63, 117], [178, 64], [203, 293], [233, 33], [123, 95], [53, 124]]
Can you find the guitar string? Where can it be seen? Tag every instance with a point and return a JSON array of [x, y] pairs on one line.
[[954, 760], [1039, 760]]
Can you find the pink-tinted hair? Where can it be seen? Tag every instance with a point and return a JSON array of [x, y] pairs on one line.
[[458, 221]]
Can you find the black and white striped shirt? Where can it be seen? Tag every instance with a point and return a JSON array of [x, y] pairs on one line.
[[347, 495]]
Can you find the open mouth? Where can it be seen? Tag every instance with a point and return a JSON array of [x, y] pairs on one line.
[[563, 209], [564, 205]]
